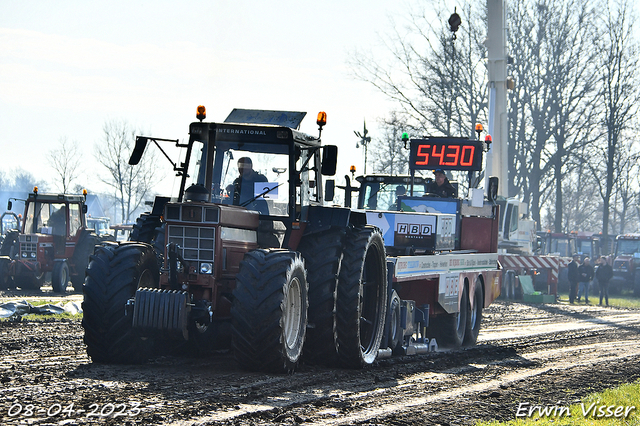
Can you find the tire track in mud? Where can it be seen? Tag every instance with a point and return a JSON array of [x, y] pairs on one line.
[[46, 363], [551, 348]]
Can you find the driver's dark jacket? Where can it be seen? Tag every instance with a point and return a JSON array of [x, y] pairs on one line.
[[446, 190], [243, 187]]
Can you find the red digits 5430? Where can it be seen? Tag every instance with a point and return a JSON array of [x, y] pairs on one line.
[[445, 155]]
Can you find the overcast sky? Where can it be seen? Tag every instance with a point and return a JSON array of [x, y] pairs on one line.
[[67, 66]]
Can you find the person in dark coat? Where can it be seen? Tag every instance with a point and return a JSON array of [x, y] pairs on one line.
[[604, 273], [585, 274], [573, 277], [243, 187], [441, 186]]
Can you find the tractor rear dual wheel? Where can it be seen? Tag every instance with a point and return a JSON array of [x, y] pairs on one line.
[[81, 256], [322, 254], [269, 310], [361, 301]]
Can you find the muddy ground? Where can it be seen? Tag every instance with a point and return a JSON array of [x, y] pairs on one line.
[[527, 355]]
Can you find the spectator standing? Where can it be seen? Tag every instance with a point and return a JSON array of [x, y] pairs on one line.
[[573, 277], [604, 273], [585, 274]]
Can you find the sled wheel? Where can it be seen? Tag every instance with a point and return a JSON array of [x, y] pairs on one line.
[[449, 329], [322, 256], [269, 311], [60, 277], [393, 327], [475, 315], [361, 301], [113, 275]]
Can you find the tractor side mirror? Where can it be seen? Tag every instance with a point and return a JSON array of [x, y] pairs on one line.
[[492, 192], [84, 209], [329, 189], [329, 160], [138, 150], [9, 205]]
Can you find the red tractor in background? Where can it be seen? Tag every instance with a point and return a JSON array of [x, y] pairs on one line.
[[53, 238]]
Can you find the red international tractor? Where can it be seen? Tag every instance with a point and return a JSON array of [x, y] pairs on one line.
[[246, 256], [54, 238]]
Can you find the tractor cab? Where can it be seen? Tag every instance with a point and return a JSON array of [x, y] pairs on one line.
[[53, 238], [54, 218], [257, 160], [382, 192], [8, 221]]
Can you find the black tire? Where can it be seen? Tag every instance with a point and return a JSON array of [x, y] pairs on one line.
[[508, 285], [269, 311], [31, 281], [322, 256], [113, 275], [450, 329], [6, 280], [393, 328], [60, 277], [144, 230], [150, 229], [474, 319], [636, 284], [10, 245], [81, 255], [361, 301]]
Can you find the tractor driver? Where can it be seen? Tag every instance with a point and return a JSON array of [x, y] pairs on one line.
[[243, 186], [441, 187], [58, 221]]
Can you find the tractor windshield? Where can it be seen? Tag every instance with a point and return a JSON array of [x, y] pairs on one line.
[[384, 195], [254, 176], [628, 247], [9, 221], [46, 218]]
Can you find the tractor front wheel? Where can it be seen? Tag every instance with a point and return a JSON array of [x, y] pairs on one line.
[[269, 311], [113, 275], [31, 280], [60, 277]]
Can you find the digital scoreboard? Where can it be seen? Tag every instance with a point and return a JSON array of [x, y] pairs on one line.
[[446, 154]]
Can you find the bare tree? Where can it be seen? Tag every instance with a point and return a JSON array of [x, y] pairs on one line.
[[131, 184], [24, 180], [551, 107], [439, 83], [66, 161], [389, 153], [619, 82]]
